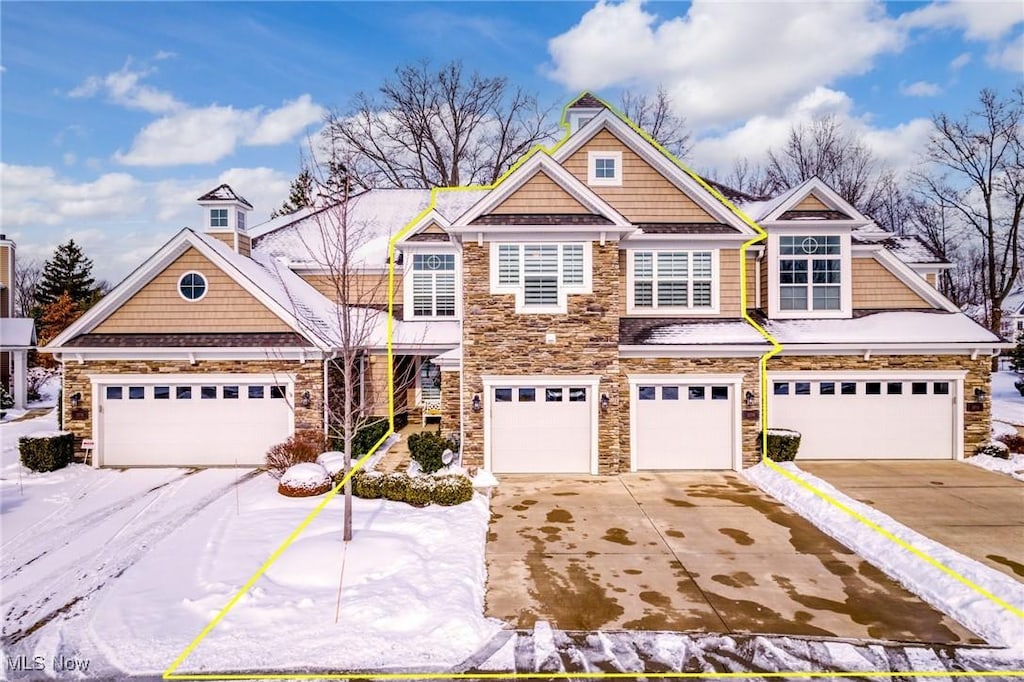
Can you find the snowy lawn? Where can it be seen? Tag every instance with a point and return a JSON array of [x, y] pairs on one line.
[[1013, 466], [995, 623], [1007, 402]]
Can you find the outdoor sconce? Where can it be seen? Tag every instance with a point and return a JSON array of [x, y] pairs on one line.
[[748, 399], [605, 402], [979, 395], [476, 403], [306, 402], [76, 400]]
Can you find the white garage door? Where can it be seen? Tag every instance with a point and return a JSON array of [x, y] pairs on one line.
[[867, 418], [684, 426], [540, 428], [192, 423]]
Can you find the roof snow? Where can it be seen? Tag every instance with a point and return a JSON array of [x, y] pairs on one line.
[[224, 193], [17, 332], [884, 328]]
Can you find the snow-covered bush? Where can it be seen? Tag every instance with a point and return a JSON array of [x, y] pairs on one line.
[[452, 490], [367, 484], [304, 446], [782, 445], [393, 486], [47, 451], [1013, 441], [304, 480], [333, 461], [420, 492], [6, 399], [35, 378], [994, 448], [427, 450]]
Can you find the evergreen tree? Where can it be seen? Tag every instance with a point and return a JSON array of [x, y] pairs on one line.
[[67, 272], [301, 194], [1017, 354]]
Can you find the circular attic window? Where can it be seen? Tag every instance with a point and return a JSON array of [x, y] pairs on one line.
[[192, 286]]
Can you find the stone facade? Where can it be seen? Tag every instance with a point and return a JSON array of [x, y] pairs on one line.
[[308, 377], [976, 424], [450, 408], [750, 431], [498, 341]]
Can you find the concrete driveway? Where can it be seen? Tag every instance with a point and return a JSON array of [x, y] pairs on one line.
[[685, 551], [973, 511]]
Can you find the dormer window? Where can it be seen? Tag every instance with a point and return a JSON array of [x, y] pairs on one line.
[[218, 217], [604, 168], [433, 285], [810, 272]]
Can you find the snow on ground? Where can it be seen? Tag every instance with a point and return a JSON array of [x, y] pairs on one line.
[[1013, 466], [996, 624], [1007, 402], [47, 398], [126, 567]]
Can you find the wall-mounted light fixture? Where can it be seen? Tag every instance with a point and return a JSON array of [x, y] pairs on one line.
[[748, 399], [306, 400], [476, 403], [605, 402], [979, 395], [76, 400]]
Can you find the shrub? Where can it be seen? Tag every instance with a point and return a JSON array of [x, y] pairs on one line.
[[367, 436], [304, 480], [1019, 385], [427, 448], [994, 448], [304, 446], [367, 484], [420, 492], [452, 490], [6, 399], [333, 461], [393, 486], [782, 445], [47, 451], [34, 380], [1013, 441], [60, 409]]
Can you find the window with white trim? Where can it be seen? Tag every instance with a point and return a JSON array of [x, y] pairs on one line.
[[540, 274], [604, 168], [218, 217], [433, 285], [809, 272], [682, 280], [240, 220]]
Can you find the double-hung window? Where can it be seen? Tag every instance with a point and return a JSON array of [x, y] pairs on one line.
[[681, 280], [809, 273], [433, 285], [540, 274]]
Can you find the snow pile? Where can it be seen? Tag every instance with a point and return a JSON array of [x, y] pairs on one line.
[[1007, 402], [300, 480], [1003, 429], [333, 461], [996, 624], [1014, 466]]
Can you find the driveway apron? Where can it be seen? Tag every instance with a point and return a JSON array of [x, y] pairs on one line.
[[973, 511], [690, 551]]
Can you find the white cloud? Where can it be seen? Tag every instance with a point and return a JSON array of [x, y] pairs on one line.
[[70, 158], [960, 61], [896, 147], [920, 89], [205, 135], [35, 195], [164, 54], [125, 88], [1009, 56], [724, 61], [984, 21]]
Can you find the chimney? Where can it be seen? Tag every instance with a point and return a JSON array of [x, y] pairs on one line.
[[6, 276], [226, 217]]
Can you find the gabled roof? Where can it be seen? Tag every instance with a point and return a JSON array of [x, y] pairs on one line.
[[224, 193], [283, 292], [587, 101], [776, 210], [415, 232], [686, 181]]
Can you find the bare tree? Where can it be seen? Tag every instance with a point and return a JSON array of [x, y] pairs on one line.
[[438, 128], [977, 171], [654, 114], [27, 276], [748, 178]]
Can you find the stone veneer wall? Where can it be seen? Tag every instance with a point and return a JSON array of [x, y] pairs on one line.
[[308, 377], [450, 407], [976, 424], [748, 367], [497, 340]]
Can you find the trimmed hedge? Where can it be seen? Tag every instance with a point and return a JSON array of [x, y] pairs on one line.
[[426, 449], [994, 448], [47, 452], [419, 491], [783, 444], [368, 436]]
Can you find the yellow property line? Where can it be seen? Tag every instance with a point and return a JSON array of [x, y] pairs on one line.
[[170, 674]]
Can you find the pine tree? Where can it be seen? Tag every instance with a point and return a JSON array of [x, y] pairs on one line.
[[301, 194], [1017, 355], [67, 272]]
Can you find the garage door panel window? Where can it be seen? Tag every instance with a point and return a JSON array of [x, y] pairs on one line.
[[503, 395], [527, 395], [894, 388], [553, 395], [670, 393], [114, 393], [136, 392], [827, 388], [780, 388], [696, 393], [230, 393], [208, 392], [802, 388], [278, 392], [256, 392], [183, 392], [577, 395], [848, 388], [647, 392], [161, 393], [719, 392], [873, 388], [919, 388], [941, 388]]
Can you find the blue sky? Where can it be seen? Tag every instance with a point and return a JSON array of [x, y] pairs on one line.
[[115, 116]]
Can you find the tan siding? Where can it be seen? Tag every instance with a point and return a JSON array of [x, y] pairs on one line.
[[540, 194], [930, 278], [245, 245], [811, 203], [752, 283], [158, 307], [371, 290], [375, 392], [874, 287], [6, 274], [226, 237], [766, 291], [432, 228], [645, 194]]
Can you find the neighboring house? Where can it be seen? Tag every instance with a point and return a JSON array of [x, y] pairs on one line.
[[17, 334], [583, 316], [1013, 316]]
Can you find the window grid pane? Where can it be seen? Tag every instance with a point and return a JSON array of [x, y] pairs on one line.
[[508, 264], [572, 264]]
